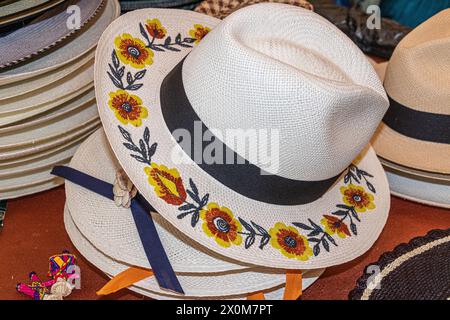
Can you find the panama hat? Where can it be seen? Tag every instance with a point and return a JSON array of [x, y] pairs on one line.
[[415, 132], [113, 267], [265, 66], [80, 44], [44, 32], [222, 8], [111, 230], [253, 70]]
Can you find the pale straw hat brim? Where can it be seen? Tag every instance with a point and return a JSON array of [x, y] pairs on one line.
[[16, 161], [30, 85], [419, 189], [32, 189], [111, 229], [203, 285], [52, 115], [63, 139], [264, 214], [45, 132]]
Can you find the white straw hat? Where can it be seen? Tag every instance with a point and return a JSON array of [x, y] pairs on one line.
[[415, 132], [265, 67], [202, 284]]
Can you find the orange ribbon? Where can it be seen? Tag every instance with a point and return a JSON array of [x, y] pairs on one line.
[[293, 288], [130, 276], [256, 296], [124, 280]]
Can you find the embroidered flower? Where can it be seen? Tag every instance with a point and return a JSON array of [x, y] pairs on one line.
[[167, 183], [290, 242], [219, 222], [127, 107], [155, 29], [199, 32], [335, 225], [133, 51], [357, 197]]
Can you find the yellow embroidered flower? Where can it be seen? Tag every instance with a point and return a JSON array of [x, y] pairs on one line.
[[199, 32], [358, 198], [290, 242], [155, 29], [133, 51], [127, 107], [335, 225], [219, 222], [167, 183]]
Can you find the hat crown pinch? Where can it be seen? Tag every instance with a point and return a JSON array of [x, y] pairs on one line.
[[273, 66]]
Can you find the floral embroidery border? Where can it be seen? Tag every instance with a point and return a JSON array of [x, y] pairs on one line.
[[219, 222]]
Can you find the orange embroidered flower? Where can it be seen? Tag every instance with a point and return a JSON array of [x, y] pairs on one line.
[[219, 222], [358, 198], [290, 242], [335, 225], [155, 29], [128, 108], [133, 51], [199, 32], [167, 183]]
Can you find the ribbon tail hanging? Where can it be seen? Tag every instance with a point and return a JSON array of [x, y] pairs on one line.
[[140, 209]]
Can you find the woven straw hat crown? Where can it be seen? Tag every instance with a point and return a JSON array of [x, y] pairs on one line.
[[266, 67], [418, 73]]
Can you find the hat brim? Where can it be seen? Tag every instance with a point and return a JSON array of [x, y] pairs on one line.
[[112, 229], [259, 225], [418, 189], [147, 287], [194, 284], [80, 45], [406, 151]]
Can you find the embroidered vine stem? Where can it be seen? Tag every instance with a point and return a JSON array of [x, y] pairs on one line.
[[190, 208], [117, 72], [167, 44], [254, 230], [357, 174], [144, 151]]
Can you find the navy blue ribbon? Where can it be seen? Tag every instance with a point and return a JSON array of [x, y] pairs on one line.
[[426, 126], [140, 209]]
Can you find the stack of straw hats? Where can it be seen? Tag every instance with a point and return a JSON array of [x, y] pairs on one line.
[[239, 229], [413, 140], [47, 101]]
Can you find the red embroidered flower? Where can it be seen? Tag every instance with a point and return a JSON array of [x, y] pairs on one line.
[[219, 223], [127, 107], [357, 197], [167, 183], [335, 225], [133, 51], [290, 242], [199, 32], [155, 29]]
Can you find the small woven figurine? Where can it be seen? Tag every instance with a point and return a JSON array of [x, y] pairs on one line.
[[58, 286]]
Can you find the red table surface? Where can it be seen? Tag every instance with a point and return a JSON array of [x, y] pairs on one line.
[[34, 230]]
